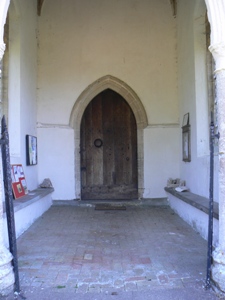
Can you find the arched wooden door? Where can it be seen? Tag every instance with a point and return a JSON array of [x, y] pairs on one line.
[[108, 149]]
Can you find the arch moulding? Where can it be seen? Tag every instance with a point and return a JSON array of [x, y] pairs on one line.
[[109, 82]]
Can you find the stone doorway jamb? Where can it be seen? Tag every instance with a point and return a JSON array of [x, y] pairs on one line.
[[216, 16], [113, 83], [6, 271]]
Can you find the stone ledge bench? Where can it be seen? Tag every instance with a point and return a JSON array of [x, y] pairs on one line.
[[27, 209], [194, 209]]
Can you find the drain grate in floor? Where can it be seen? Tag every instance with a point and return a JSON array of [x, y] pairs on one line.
[[109, 207]]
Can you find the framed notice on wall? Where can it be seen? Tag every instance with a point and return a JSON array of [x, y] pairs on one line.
[[31, 150], [19, 184], [186, 140]]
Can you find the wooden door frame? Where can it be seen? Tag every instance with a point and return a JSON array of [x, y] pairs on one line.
[[109, 82]]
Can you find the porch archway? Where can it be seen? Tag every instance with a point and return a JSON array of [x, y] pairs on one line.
[[109, 82]]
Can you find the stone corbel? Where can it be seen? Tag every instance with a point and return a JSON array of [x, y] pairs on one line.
[[218, 52]]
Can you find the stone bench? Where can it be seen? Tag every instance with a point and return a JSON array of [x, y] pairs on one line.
[[27, 209], [194, 209]]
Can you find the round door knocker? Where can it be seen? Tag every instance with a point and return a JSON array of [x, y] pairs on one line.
[[98, 143]]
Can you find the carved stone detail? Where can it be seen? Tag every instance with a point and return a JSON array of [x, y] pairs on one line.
[[218, 52]]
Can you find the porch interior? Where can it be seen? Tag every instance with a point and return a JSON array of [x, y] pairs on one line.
[[71, 62]]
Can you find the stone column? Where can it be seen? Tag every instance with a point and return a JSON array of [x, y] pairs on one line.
[[216, 16], [6, 271], [218, 268]]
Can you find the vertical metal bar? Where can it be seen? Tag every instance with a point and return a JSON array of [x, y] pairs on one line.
[[210, 222], [9, 201]]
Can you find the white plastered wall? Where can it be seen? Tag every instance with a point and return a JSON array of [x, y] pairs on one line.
[[82, 41], [22, 82], [193, 93], [161, 150], [56, 150]]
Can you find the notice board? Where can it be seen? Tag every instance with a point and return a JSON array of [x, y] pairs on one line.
[[19, 184]]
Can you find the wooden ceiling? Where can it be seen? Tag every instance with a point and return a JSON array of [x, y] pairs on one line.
[[172, 2]]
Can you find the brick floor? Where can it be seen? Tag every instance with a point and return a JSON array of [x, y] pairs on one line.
[[92, 251]]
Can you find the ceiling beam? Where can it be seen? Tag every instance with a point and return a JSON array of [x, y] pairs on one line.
[[174, 7], [39, 6]]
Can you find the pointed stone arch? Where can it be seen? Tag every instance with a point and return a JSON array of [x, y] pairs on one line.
[[109, 82]]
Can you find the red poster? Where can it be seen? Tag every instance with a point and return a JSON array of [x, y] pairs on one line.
[[19, 184]]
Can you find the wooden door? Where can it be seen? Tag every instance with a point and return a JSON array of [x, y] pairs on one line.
[[108, 149]]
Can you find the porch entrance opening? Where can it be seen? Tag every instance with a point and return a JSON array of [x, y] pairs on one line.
[[108, 150]]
